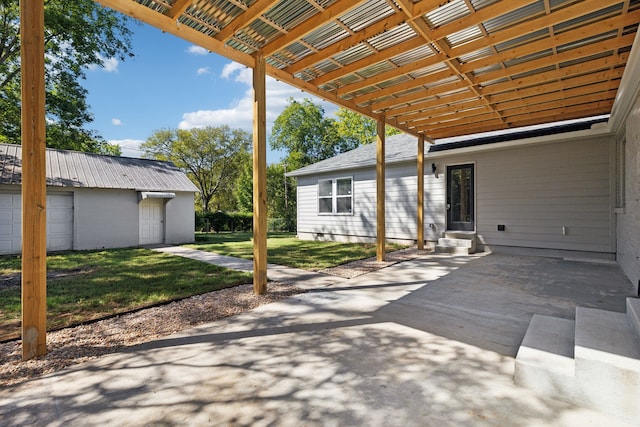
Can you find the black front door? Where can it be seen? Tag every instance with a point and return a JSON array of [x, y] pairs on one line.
[[460, 198]]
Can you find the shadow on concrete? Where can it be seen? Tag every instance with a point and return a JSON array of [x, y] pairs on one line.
[[427, 342]]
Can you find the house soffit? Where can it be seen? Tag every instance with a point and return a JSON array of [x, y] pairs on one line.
[[431, 67]]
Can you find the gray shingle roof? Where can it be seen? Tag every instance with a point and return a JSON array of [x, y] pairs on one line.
[[87, 170], [403, 147], [398, 148]]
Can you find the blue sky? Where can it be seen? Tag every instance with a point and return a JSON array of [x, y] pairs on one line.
[[171, 83]]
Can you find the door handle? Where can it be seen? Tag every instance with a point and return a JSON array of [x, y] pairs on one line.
[[448, 206]]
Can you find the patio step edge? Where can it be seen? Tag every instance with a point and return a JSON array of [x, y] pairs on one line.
[[545, 360], [633, 314]]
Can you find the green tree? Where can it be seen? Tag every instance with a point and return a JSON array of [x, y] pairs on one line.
[[212, 157], [303, 131], [355, 130], [281, 194], [78, 34]]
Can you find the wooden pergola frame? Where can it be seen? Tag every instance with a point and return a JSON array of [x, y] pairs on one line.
[[430, 68]]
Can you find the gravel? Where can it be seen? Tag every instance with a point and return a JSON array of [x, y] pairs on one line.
[[78, 344]]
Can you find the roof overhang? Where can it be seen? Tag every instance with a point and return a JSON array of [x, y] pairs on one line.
[[429, 67], [155, 195]]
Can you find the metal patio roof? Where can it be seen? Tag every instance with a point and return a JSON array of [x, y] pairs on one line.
[[430, 67]]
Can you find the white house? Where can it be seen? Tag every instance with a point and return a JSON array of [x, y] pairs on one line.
[[96, 201], [571, 187]]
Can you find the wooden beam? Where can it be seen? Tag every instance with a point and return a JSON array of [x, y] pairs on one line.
[[246, 18], [332, 12], [178, 8], [530, 26], [382, 55], [348, 42], [420, 175], [165, 23], [34, 190], [259, 178], [328, 96], [380, 191], [570, 36]]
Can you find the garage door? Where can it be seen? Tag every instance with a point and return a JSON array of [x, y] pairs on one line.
[[10, 223], [151, 221], [59, 222]]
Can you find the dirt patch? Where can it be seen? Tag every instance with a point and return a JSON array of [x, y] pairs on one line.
[[13, 280]]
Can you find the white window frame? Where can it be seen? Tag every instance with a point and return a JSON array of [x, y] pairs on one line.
[[334, 196]]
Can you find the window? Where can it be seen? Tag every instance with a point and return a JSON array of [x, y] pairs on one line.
[[335, 196]]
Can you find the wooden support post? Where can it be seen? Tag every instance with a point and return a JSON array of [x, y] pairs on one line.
[[34, 190], [380, 191], [420, 175], [259, 178]]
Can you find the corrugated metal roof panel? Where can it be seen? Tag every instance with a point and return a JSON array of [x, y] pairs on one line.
[[512, 18], [353, 54], [366, 14], [393, 37], [525, 38], [326, 35], [449, 12], [87, 170], [413, 55], [464, 36]]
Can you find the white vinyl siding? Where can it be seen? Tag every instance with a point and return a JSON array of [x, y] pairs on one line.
[[533, 190], [628, 218]]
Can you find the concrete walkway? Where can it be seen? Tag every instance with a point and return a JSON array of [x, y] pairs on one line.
[[428, 342]]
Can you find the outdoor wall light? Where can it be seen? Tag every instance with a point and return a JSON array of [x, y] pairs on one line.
[[434, 169]]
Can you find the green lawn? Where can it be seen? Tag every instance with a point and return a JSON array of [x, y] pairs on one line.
[[286, 249], [92, 284]]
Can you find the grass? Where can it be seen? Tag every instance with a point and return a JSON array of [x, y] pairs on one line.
[[89, 285], [286, 249]]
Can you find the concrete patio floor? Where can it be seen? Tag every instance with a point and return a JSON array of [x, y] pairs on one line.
[[428, 342]]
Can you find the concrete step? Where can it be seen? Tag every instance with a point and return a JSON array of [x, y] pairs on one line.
[[453, 250], [466, 240], [593, 362], [633, 315], [607, 358], [545, 362], [461, 243]]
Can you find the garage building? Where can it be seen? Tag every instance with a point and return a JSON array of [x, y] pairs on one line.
[[96, 201]]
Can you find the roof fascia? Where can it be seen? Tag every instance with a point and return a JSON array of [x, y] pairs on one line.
[[628, 90], [597, 131]]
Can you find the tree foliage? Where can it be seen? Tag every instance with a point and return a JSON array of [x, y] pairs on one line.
[[281, 194], [307, 136], [355, 130], [78, 34], [212, 157], [303, 131]]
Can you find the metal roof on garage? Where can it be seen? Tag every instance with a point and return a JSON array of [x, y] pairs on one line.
[[87, 170]]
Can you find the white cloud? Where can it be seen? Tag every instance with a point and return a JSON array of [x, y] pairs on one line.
[[203, 70], [109, 65], [238, 72], [129, 147], [116, 122], [197, 50], [240, 113]]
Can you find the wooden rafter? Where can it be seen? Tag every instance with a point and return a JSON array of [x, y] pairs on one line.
[[486, 65]]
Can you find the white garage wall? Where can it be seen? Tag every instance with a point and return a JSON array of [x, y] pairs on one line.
[[105, 218], [180, 219]]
